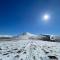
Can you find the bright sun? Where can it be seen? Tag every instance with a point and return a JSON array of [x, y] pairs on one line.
[[46, 17]]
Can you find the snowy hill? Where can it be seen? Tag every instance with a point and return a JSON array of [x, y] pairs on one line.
[[30, 36], [25, 36]]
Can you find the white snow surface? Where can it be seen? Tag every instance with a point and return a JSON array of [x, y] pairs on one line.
[[29, 50], [6, 36]]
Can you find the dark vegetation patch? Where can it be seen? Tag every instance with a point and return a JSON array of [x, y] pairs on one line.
[[0, 48], [24, 52], [19, 51], [15, 49], [53, 57], [17, 56], [6, 54]]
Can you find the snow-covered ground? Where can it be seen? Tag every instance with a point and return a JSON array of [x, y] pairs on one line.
[[29, 50], [29, 46]]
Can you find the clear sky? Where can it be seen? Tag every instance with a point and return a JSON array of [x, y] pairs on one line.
[[18, 16]]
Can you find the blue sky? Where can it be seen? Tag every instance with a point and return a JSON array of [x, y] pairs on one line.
[[18, 16]]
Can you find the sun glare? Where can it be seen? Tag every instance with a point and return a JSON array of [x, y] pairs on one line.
[[46, 17]]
